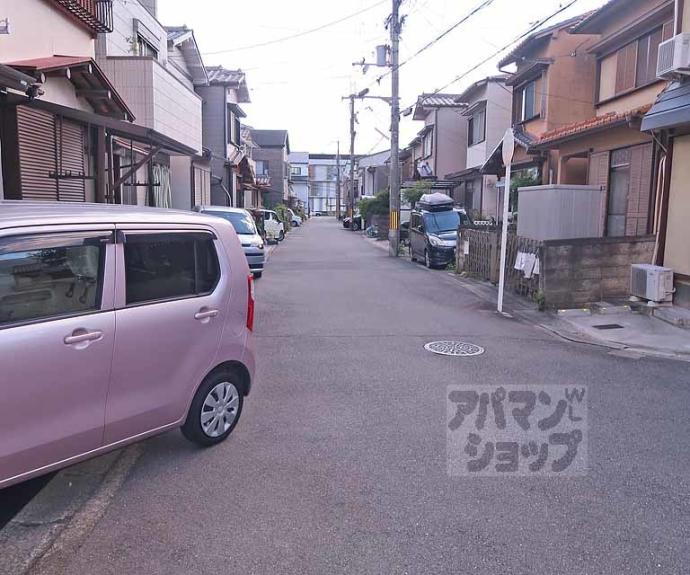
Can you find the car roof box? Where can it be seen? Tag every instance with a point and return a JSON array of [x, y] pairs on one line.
[[436, 202]]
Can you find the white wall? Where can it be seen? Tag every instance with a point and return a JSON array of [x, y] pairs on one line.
[[119, 41], [39, 29]]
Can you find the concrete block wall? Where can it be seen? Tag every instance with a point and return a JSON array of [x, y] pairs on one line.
[[579, 272]]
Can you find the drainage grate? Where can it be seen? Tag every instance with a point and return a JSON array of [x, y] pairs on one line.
[[608, 326], [456, 348]]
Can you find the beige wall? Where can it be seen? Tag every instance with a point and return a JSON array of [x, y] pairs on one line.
[[40, 30], [635, 99], [685, 17], [677, 255], [451, 142]]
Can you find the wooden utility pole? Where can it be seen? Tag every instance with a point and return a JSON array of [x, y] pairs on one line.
[[394, 224], [337, 186]]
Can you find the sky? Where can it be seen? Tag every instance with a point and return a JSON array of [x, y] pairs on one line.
[[298, 84]]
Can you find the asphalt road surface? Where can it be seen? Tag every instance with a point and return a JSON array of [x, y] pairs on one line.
[[339, 463]]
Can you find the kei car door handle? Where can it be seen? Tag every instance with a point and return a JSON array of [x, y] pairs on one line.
[[82, 336], [205, 314]]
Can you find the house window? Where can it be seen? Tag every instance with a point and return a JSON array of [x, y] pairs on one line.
[[261, 168], [296, 171], [636, 62], [145, 48], [525, 103], [428, 144], [476, 131]]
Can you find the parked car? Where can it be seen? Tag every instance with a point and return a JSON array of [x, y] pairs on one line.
[[295, 219], [245, 226], [273, 226], [177, 287], [433, 230], [355, 223]]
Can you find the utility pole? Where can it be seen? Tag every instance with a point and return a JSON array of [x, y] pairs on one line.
[[351, 207], [337, 185], [394, 223]]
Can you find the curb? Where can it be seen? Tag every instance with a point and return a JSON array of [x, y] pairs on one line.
[[52, 525]]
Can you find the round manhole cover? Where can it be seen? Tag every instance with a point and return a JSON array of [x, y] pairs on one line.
[[457, 348]]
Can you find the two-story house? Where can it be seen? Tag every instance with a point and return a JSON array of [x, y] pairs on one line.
[[488, 111], [272, 159], [59, 135], [440, 147], [553, 86], [374, 173], [222, 132], [156, 70], [669, 122], [608, 149], [299, 179]]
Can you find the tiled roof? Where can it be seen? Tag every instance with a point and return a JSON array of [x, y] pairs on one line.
[[592, 124], [270, 138], [219, 75], [176, 32], [516, 52], [438, 100], [596, 13]]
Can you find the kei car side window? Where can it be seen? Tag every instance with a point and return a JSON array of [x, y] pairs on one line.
[[163, 266], [51, 275]]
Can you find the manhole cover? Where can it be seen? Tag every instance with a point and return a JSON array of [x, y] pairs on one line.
[[457, 348], [608, 326]]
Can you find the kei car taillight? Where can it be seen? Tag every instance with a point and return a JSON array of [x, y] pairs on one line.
[[250, 303]]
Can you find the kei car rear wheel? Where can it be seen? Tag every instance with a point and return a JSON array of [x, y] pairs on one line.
[[215, 410]]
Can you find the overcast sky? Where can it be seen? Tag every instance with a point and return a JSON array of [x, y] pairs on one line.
[[298, 84]]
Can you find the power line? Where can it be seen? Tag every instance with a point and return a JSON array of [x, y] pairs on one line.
[[438, 38], [502, 49], [299, 34]]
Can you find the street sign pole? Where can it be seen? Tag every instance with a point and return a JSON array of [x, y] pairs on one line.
[[508, 151]]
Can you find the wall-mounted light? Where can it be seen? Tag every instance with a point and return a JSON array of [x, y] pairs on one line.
[[5, 26]]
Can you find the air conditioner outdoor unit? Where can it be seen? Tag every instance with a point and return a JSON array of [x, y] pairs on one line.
[[674, 57], [651, 282]]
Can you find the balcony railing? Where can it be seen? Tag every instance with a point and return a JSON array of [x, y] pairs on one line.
[[97, 15]]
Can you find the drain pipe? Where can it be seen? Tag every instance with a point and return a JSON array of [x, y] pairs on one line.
[[219, 181]]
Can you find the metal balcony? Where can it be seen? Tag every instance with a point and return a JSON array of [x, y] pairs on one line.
[[97, 15]]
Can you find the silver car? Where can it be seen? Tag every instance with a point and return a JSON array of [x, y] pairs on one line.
[[245, 226]]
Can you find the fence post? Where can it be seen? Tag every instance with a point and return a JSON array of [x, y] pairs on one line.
[[495, 257]]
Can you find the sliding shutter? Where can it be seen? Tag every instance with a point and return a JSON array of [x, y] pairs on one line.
[[71, 138], [639, 196], [36, 154], [625, 68], [598, 175]]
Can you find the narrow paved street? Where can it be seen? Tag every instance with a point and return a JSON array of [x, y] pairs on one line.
[[339, 462]]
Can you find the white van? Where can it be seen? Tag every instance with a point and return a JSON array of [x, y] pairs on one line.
[[273, 226]]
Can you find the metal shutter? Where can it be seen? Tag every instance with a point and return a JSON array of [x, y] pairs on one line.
[[639, 196], [598, 175], [70, 139], [36, 131]]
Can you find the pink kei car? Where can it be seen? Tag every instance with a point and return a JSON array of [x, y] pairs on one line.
[[116, 324]]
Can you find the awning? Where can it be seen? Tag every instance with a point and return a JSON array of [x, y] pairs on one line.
[[113, 126], [671, 110], [90, 82], [14, 80], [468, 174]]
